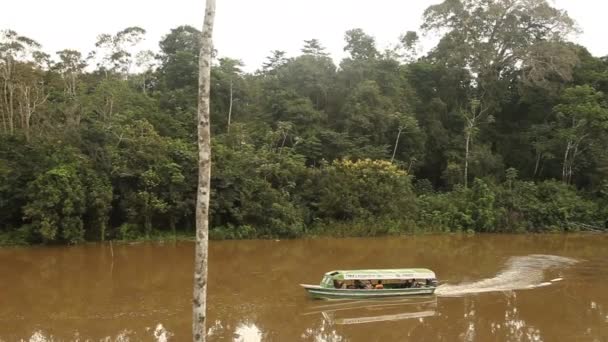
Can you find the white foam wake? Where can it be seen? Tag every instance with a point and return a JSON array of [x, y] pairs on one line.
[[521, 272]]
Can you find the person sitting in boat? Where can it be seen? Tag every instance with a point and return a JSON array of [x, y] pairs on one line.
[[407, 284], [339, 284], [359, 284], [368, 285], [379, 285]]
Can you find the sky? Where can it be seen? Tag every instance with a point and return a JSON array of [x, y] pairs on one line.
[[250, 29]]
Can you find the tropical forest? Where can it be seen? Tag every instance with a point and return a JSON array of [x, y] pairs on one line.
[[502, 126]]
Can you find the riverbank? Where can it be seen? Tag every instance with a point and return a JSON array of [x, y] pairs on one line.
[[337, 230]]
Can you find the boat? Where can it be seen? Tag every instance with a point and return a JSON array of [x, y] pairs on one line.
[[350, 284]]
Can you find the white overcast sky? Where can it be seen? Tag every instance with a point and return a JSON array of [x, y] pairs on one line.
[[250, 29]]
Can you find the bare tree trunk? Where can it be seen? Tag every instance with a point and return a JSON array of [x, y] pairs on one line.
[[11, 108], [31, 98], [5, 108], [409, 167], [283, 143], [565, 163], [199, 303], [3, 118], [230, 107], [537, 165], [466, 160], [396, 144], [102, 230], [9, 93], [172, 225], [573, 159]]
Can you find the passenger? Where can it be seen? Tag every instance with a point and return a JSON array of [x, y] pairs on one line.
[[338, 284], [368, 285], [428, 282], [359, 284], [379, 286], [408, 283]]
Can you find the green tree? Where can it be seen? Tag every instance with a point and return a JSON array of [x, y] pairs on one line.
[[496, 38], [473, 116], [56, 204], [114, 52], [582, 119]]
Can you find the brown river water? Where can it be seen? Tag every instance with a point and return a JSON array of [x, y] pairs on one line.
[[493, 288]]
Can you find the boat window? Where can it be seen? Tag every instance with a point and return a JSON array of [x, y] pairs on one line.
[[334, 273], [327, 282]]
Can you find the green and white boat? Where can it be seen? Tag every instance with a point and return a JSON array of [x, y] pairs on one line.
[[356, 284]]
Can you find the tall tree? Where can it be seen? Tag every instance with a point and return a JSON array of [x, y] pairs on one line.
[[496, 39], [70, 66], [145, 61], [115, 49], [227, 79], [473, 118], [273, 62], [199, 305], [314, 48], [405, 121], [360, 45], [582, 118], [14, 49]]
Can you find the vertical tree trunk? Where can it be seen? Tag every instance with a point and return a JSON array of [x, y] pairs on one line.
[[148, 223], [11, 108], [3, 118], [230, 107], [411, 164], [396, 144], [199, 303], [573, 160], [9, 93], [172, 225], [283, 143], [537, 165], [466, 159], [5, 108], [565, 162], [102, 230]]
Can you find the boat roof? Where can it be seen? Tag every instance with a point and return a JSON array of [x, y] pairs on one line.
[[398, 273]]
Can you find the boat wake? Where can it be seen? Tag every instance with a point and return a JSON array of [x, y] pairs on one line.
[[521, 272]]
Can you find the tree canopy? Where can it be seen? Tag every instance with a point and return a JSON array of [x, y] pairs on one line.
[[501, 127]]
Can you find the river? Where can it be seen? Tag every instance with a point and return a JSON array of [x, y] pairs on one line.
[[493, 288]]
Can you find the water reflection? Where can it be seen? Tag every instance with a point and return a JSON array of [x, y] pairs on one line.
[[505, 288], [370, 311], [157, 334], [248, 332]]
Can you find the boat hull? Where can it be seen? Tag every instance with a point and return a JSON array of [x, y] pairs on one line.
[[318, 292]]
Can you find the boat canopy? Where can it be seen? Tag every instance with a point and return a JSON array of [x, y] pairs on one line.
[[404, 273]]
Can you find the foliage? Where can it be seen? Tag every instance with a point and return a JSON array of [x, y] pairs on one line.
[[363, 190], [55, 207], [502, 127]]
